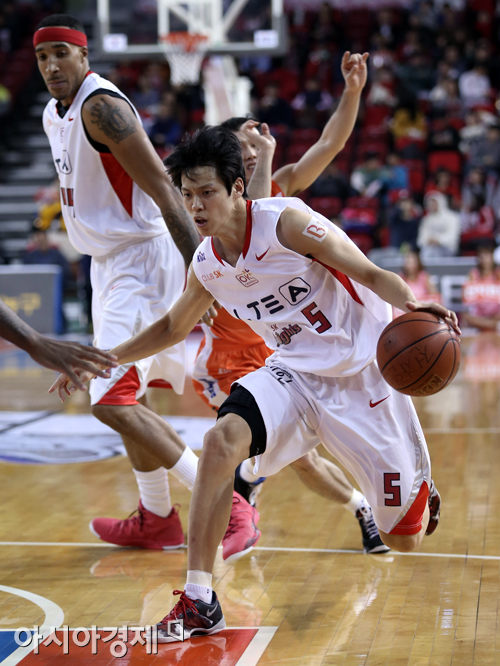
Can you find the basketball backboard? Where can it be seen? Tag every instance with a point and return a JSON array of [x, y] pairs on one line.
[[233, 27]]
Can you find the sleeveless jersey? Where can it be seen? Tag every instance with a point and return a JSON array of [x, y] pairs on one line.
[[103, 209], [226, 332], [317, 319]]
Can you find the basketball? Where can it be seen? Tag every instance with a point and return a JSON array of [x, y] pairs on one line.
[[418, 354]]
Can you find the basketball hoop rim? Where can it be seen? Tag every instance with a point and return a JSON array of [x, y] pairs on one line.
[[184, 42]]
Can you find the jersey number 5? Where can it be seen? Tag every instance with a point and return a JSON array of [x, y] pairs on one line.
[[389, 489], [316, 317]]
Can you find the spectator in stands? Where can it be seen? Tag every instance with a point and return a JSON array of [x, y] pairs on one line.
[[311, 103], [418, 279], [368, 178], [409, 123], [485, 151], [5, 100], [439, 231], [416, 74], [395, 175], [147, 96], [404, 220], [382, 88], [481, 292], [454, 60], [273, 109], [477, 183], [41, 252], [443, 136], [444, 182], [445, 98], [478, 223], [475, 86], [166, 129], [331, 183]]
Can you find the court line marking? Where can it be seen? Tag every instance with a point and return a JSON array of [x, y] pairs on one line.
[[54, 618], [332, 551], [257, 646], [39, 417]]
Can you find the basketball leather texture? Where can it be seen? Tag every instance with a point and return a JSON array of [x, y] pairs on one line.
[[418, 354]]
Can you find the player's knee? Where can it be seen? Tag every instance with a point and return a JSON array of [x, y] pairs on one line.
[[217, 449], [113, 416], [402, 543]]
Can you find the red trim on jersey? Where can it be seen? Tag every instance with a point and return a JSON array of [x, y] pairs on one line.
[[63, 194], [160, 383], [124, 391], [412, 522], [216, 253], [344, 281], [276, 189], [120, 181], [59, 34], [248, 233]]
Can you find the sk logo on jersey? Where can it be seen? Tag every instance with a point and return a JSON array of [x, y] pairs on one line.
[[246, 278], [63, 164], [295, 291], [200, 257], [212, 276]]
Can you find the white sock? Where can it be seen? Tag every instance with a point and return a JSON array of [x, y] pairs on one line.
[[356, 502], [185, 468], [154, 491], [246, 471], [199, 585]]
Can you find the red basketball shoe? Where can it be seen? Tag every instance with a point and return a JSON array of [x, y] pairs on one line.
[[189, 618], [434, 509], [242, 533], [142, 529]]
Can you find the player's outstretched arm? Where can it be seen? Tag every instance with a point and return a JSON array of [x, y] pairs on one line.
[[294, 178], [111, 121], [259, 186], [174, 327], [310, 237], [67, 357]]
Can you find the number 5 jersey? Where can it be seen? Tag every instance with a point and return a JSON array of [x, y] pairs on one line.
[[317, 319]]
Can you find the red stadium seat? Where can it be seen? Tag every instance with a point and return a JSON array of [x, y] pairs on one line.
[[363, 202], [376, 115], [327, 206], [445, 159], [308, 136]]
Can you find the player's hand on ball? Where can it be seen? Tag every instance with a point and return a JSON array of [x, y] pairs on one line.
[[354, 70], [449, 316], [65, 386]]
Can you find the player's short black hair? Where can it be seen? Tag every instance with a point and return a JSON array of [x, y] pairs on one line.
[[234, 124], [63, 21], [214, 147]]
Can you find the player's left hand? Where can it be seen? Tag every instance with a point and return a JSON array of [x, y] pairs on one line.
[[449, 316], [354, 70]]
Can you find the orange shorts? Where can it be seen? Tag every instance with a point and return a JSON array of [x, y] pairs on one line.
[[217, 368], [412, 522]]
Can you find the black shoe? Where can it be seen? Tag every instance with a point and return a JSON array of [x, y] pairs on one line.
[[372, 543], [190, 618], [247, 490], [434, 509]]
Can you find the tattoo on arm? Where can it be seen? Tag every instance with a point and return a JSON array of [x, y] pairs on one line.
[[183, 232], [112, 119]]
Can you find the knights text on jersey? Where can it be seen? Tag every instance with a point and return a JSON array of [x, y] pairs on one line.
[[317, 319], [103, 209]]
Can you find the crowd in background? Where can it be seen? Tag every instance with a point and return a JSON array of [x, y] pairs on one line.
[[421, 170]]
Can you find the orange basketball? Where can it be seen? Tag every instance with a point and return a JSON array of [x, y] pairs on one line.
[[418, 354]]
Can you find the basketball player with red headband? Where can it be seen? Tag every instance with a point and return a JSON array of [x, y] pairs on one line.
[[120, 207], [230, 349]]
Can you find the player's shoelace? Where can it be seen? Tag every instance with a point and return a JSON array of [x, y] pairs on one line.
[[135, 517], [234, 520], [368, 523], [181, 608]]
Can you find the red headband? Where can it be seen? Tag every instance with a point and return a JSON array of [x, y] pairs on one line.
[[59, 34]]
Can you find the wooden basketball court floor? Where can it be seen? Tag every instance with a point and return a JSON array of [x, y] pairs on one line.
[[306, 596]]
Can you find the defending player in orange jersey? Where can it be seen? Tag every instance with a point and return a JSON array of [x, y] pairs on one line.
[[322, 383], [230, 349]]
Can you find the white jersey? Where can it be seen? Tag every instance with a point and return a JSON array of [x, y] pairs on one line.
[[317, 319], [104, 210]]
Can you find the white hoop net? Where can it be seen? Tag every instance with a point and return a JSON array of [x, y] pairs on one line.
[[185, 56]]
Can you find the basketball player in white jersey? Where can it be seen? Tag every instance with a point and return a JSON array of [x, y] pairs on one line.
[[120, 207], [66, 357], [302, 285], [230, 349]]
